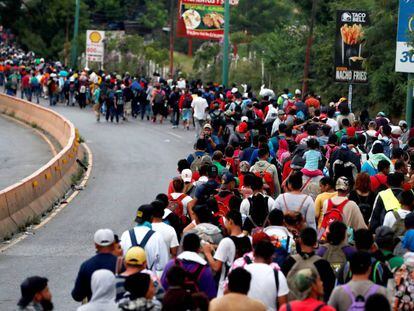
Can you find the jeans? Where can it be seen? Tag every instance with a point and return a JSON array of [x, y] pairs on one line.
[[111, 113], [71, 99], [28, 94], [36, 93], [145, 109], [120, 112], [175, 116], [199, 126], [52, 99]]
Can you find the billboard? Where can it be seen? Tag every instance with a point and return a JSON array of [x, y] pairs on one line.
[[404, 61], [95, 46], [201, 19], [350, 56]]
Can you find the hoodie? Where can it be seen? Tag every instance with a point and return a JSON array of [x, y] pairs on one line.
[[103, 292]]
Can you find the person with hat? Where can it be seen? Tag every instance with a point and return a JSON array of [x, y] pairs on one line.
[[385, 239], [310, 285], [151, 241], [210, 139], [104, 259], [238, 137], [344, 297], [350, 213], [136, 262], [36, 295], [281, 117]]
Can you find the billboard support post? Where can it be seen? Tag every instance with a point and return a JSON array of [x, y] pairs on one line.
[[226, 43], [409, 107]]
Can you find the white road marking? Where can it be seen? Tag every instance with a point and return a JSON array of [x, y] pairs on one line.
[[175, 135]]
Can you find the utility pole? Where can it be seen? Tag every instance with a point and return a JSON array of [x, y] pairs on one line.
[[409, 107], [226, 43], [172, 38], [305, 85], [75, 36]]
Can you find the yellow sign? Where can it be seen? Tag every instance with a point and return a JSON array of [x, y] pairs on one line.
[[95, 37]]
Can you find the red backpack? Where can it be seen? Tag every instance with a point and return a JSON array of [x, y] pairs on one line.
[[223, 205], [333, 213], [177, 207], [267, 180]]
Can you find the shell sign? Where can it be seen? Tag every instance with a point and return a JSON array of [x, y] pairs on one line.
[[95, 45]]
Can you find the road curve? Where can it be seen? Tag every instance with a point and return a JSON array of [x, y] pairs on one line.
[[132, 163], [22, 152]]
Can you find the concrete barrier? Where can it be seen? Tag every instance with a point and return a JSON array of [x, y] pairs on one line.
[[29, 199]]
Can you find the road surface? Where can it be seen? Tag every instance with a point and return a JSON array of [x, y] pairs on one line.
[[22, 152], [132, 164]]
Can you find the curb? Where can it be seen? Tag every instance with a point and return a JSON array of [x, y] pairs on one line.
[[56, 211]]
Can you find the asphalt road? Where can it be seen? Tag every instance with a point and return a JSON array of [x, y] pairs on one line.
[[133, 162], [22, 152]]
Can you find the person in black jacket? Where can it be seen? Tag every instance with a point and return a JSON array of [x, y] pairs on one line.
[[104, 259]]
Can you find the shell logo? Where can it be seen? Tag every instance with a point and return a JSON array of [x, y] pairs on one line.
[[95, 37]]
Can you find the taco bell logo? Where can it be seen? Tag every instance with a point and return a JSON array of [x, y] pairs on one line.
[[346, 17]]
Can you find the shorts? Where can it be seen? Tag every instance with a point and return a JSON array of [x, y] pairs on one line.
[[186, 114]]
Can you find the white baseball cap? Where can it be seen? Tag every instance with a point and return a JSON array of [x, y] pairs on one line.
[[245, 119], [104, 237], [187, 175], [298, 92]]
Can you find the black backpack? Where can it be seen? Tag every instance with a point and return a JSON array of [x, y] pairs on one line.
[[187, 102], [159, 98], [191, 277], [243, 245]]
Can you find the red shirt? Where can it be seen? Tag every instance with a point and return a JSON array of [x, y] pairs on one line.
[[26, 81], [378, 180], [309, 304]]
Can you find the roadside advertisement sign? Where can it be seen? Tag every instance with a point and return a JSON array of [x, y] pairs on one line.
[[404, 61], [201, 19], [95, 46], [350, 56]]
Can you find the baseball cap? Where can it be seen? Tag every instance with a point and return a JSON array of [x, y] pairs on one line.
[[212, 171], [104, 237], [342, 184], [260, 236], [135, 256], [381, 114], [207, 126], [281, 112], [187, 175], [144, 214], [30, 287], [227, 178], [323, 117], [244, 119], [298, 92], [242, 128], [304, 279], [409, 220], [384, 235], [234, 90], [402, 123], [244, 167]]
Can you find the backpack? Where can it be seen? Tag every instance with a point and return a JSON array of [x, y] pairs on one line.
[[188, 99], [300, 264], [177, 207], [143, 242], [333, 213], [380, 273], [398, 227], [242, 244], [34, 82], [256, 226], [344, 168], [199, 161], [82, 89], [281, 252], [159, 98], [404, 280], [387, 147], [292, 214], [335, 255], [268, 181], [191, 277], [358, 302], [223, 204], [365, 208]]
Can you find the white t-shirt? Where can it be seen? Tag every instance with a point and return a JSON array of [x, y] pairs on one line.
[[199, 105], [389, 219], [156, 250], [187, 199], [168, 233], [245, 205], [263, 284], [226, 251], [333, 124]]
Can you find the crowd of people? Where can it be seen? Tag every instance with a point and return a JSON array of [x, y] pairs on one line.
[[285, 203]]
